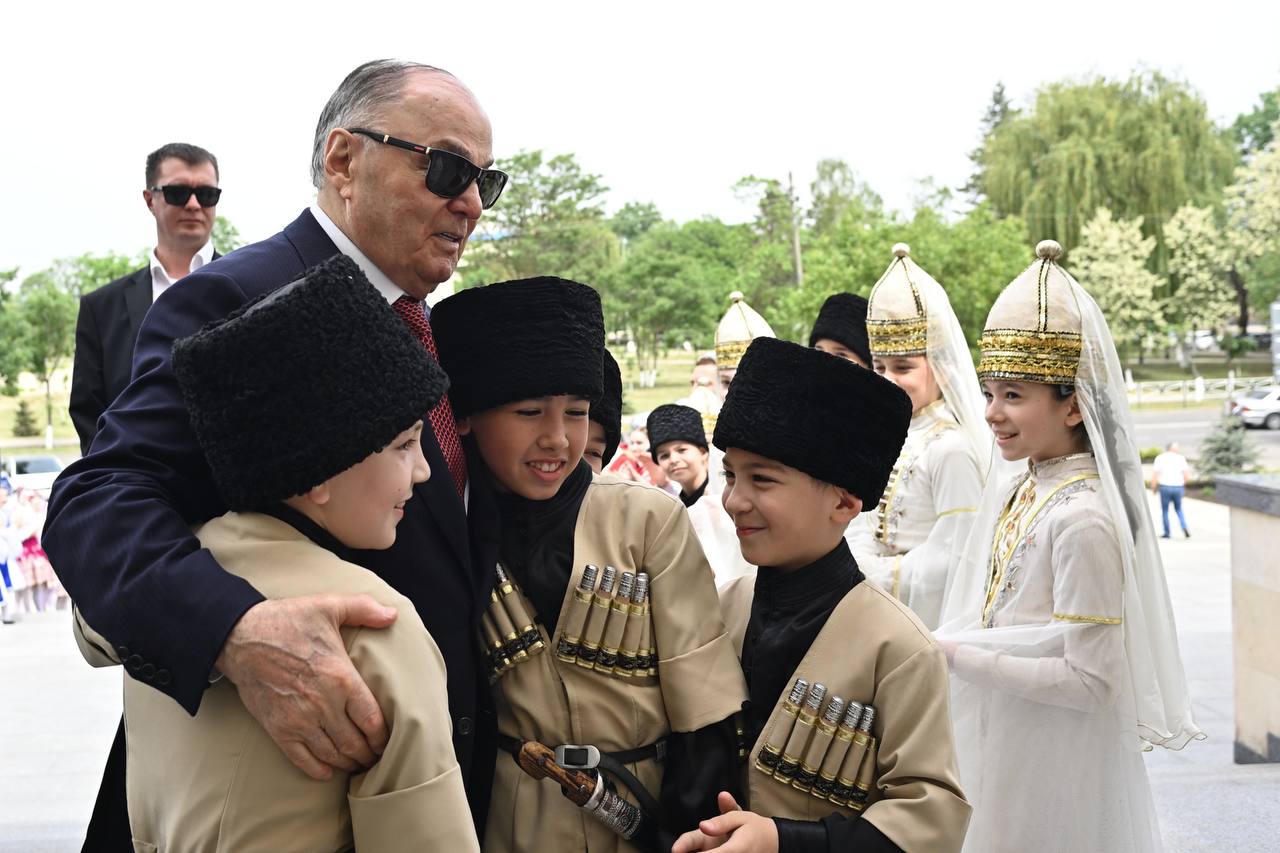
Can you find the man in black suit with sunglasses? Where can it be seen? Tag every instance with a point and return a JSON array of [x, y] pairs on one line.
[[394, 161], [182, 194]]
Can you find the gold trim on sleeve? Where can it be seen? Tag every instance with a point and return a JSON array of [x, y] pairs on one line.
[[897, 575], [1090, 620], [957, 511]]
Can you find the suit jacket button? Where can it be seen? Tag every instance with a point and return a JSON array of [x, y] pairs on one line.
[[123, 651], [134, 663], [465, 726], [148, 671], [163, 678]]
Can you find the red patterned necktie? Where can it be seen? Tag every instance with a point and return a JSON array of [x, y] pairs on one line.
[[441, 417]]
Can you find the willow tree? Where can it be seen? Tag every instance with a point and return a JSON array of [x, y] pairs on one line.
[[1142, 147]]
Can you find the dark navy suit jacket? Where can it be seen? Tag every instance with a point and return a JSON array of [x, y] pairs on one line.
[[119, 522]]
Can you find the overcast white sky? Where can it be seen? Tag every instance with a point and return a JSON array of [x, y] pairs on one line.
[[671, 102]]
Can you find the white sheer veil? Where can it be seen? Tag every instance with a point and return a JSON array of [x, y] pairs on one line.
[[1155, 707], [952, 366]]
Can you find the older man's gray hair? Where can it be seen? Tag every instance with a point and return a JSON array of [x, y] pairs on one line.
[[360, 101]]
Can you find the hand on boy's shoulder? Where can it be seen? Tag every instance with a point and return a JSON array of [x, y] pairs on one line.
[[290, 667]]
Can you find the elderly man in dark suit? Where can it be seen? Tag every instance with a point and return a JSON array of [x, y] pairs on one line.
[[182, 194], [394, 160]]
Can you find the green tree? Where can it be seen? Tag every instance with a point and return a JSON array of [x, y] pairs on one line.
[[84, 273], [836, 192], [47, 313], [1255, 129], [226, 237], [634, 219], [1111, 263], [11, 353], [999, 110], [549, 221], [1199, 260], [674, 283], [24, 423], [1253, 228], [1141, 147], [1227, 449]]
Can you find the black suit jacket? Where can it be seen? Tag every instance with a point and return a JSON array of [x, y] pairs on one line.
[[118, 530], [106, 329]]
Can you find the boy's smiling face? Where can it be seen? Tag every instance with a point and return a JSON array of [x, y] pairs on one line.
[[785, 519], [594, 453], [685, 463], [362, 505], [531, 446]]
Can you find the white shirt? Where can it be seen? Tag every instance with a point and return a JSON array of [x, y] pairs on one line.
[[1171, 469], [390, 290], [160, 280]]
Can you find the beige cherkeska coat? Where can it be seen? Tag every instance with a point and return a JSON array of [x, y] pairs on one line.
[[217, 782], [873, 650]]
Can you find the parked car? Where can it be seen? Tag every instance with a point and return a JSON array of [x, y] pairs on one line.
[[33, 472], [1259, 407], [1204, 340]]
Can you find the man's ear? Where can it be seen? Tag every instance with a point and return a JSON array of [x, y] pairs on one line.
[[146, 198], [318, 495], [848, 507], [339, 154], [464, 426]]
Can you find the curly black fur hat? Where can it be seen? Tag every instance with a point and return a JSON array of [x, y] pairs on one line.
[[533, 337], [817, 413], [675, 423], [607, 410], [302, 383], [843, 319]]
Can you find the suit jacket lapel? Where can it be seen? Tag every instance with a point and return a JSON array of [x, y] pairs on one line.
[[137, 299]]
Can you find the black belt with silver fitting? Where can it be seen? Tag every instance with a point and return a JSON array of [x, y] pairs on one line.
[[589, 757]]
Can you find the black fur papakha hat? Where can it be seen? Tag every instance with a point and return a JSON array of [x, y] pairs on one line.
[[518, 340], [675, 423], [843, 319], [607, 410], [302, 383], [817, 413]]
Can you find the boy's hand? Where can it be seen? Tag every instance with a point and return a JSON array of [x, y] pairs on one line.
[[288, 662], [734, 831]]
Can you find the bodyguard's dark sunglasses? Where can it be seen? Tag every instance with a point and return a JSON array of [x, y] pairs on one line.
[[448, 174], [179, 194]]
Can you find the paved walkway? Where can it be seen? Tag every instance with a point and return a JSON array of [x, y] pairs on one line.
[[57, 718]]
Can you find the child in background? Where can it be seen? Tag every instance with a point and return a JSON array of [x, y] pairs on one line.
[[910, 541], [605, 430]]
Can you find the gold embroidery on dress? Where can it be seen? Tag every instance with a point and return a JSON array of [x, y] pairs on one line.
[[1013, 526], [1091, 620], [886, 512]]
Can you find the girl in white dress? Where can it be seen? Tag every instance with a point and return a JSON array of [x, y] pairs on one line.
[[1057, 623], [910, 543]]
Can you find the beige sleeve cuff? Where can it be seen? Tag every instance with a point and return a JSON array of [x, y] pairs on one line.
[[703, 686], [431, 816]]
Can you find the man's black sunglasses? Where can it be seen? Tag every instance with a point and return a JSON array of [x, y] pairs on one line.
[[448, 174], [179, 194]]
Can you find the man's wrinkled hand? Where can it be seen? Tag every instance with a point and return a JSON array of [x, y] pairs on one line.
[[289, 664]]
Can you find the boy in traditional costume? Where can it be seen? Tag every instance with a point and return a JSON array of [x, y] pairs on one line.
[[604, 626], [605, 432], [841, 329], [679, 446], [1059, 629], [849, 739], [308, 404], [910, 541]]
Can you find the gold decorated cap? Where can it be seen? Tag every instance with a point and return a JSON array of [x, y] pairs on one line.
[[740, 325], [1033, 331], [897, 314]]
